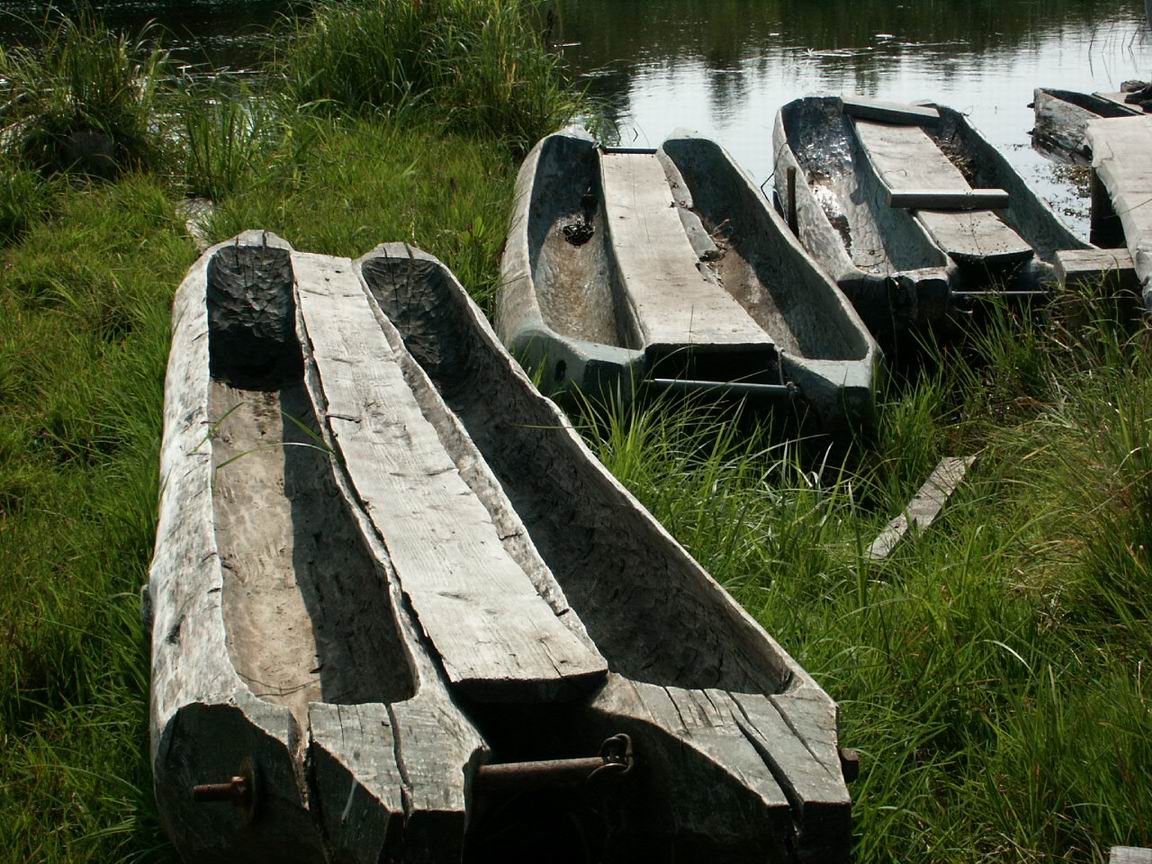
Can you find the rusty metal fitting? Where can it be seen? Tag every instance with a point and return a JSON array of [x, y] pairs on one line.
[[240, 791], [615, 760]]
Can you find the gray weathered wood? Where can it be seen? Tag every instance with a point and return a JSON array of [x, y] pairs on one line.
[[906, 158], [1120, 149], [948, 199], [674, 304], [888, 112], [925, 505], [497, 637], [272, 600], [1093, 266], [1129, 855], [715, 773]]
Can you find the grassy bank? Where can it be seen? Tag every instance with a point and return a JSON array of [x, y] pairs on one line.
[[993, 672]]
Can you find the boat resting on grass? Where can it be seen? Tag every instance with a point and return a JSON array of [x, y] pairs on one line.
[[910, 209], [668, 269], [736, 754], [287, 676], [400, 612], [1062, 118]]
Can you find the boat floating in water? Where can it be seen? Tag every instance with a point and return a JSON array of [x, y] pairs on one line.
[[402, 613], [909, 208], [1062, 118], [668, 269]]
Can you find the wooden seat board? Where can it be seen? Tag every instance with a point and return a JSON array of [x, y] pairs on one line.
[[1120, 148], [494, 632], [906, 158], [673, 302]]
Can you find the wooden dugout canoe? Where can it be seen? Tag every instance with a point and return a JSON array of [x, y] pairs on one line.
[[900, 265], [281, 650], [736, 745], [1062, 118], [669, 269]]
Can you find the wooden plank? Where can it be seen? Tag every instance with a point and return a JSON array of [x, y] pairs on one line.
[[498, 638], [948, 199], [925, 506], [888, 112], [1129, 855], [906, 158], [1092, 266], [1120, 148], [674, 304]]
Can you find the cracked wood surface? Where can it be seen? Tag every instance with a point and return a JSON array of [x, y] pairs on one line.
[[496, 635], [1120, 149], [672, 300]]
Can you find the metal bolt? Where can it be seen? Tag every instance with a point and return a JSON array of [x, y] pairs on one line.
[[240, 790]]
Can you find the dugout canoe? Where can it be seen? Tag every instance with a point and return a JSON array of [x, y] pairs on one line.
[[866, 174], [668, 269], [1062, 118], [735, 745], [296, 715]]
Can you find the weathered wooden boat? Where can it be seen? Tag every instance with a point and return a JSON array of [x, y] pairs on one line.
[[296, 714], [909, 208], [1062, 118], [734, 745], [668, 269]]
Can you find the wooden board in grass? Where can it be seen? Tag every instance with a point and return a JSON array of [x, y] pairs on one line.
[[925, 505], [282, 651], [736, 746], [906, 158], [1129, 855], [497, 637]]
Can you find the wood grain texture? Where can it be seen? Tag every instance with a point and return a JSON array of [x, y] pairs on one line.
[[906, 158], [738, 744], [674, 304], [1120, 149], [1091, 266], [925, 506], [888, 112], [1129, 855], [497, 637]]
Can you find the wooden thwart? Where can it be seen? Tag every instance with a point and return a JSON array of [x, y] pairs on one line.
[[497, 637], [948, 199], [674, 304], [888, 112], [925, 506], [908, 160]]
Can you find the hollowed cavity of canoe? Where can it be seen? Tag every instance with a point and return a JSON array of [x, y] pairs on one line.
[[306, 608], [770, 277], [643, 601], [576, 283], [746, 364], [880, 240]]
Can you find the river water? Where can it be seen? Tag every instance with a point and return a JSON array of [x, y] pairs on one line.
[[724, 67]]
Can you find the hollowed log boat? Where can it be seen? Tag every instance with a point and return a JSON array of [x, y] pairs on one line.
[[1062, 118], [910, 209], [296, 713], [668, 269], [401, 613], [736, 754]]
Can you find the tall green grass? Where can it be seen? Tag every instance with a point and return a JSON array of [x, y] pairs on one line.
[[477, 66], [85, 100]]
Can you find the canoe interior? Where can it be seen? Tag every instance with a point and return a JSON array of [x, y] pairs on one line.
[[639, 596], [879, 239], [773, 280], [985, 168], [306, 610], [570, 259]]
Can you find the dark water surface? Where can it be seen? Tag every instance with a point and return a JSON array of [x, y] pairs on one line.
[[724, 67]]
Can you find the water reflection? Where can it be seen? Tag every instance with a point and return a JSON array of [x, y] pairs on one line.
[[724, 67]]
